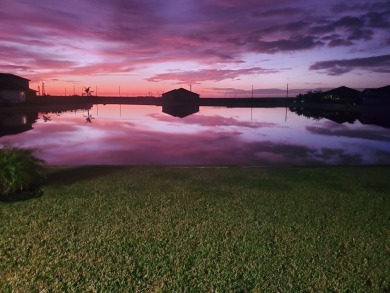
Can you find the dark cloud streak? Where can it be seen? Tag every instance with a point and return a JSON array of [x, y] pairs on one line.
[[332, 129], [286, 45], [339, 67]]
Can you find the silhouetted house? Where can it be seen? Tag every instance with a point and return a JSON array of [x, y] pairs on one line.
[[180, 96], [376, 96], [14, 89], [180, 102], [342, 95]]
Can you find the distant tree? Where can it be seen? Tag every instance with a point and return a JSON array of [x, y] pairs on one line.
[[311, 96], [87, 91]]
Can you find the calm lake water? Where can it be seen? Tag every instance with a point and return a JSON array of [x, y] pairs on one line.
[[144, 135]]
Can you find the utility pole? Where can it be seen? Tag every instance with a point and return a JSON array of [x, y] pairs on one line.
[[285, 117], [287, 90], [43, 89]]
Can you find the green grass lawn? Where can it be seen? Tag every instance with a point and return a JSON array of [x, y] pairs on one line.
[[106, 229]]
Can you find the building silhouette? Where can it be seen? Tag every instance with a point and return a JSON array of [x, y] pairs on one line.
[[14, 89], [376, 96], [343, 94], [180, 102]]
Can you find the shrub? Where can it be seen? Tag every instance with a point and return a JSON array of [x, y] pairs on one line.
[[20, 170]]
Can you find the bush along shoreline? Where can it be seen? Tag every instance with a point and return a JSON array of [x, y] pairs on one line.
[[21, 173]]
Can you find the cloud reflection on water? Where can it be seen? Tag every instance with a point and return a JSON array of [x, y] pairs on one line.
[[332, 129], [222, 137], [213, 121]]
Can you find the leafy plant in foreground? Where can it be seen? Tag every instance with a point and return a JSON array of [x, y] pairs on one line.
[[20, 170]]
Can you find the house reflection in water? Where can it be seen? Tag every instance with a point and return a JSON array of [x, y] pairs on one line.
[[379, 117], [180, 103], [18, 122], [14, 123]]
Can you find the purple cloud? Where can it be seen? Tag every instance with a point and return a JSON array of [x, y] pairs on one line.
[[280, 12], [286, 45], [340, 130], [49, 39], [215, 121], [366, 6], [339, 67]]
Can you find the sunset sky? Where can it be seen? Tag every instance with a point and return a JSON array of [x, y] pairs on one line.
[[219, 47]]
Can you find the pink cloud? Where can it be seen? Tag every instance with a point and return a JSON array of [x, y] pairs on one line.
[[214, 121], [209, 74]]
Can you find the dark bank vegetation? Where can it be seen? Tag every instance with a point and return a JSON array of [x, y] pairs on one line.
[[338, 96], [111, 229]]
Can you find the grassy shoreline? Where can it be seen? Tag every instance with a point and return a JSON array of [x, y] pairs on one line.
[[122, 229]]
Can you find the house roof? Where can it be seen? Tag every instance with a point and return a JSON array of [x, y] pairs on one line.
[[342, 91], [383, 91], [9, 76], [180, 92], [13, 82]]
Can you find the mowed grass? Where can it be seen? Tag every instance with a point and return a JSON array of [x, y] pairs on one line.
[[160, 229]]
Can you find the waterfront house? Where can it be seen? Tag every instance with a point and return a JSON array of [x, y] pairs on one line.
[[14, 89], [180, 102], [180, 95], [343, 95]]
